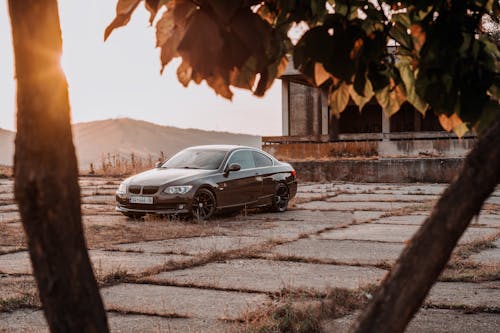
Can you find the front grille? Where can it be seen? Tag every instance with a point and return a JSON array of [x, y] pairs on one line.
[[134, 189], [150, 207], [149, 189]]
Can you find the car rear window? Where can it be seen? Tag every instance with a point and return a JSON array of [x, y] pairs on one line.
[[244, 158], [261, 160]]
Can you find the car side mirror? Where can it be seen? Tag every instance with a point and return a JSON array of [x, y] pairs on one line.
[[232, 167], [158, 164]]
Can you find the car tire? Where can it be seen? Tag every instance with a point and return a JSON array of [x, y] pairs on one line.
[[280, 198], [203, 205], [134, 216]]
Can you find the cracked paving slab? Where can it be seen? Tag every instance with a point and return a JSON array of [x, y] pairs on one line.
[[280, 230], [487, 220], [431, 321], [485, 295], [9, 217], [354, 206], [488, 256], [104, 262], [317, 216], [396, 233], [403, 219], [271, 276], [33, 321], [381, 198], [16, 286], [346, 252], [193, 245], [188, 302]]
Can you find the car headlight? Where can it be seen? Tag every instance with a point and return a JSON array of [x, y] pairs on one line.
[[178, 189], [122, 189]]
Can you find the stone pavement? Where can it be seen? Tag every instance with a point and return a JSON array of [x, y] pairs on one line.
[[171, 276]]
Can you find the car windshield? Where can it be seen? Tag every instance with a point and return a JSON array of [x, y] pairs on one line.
[[196, 159]]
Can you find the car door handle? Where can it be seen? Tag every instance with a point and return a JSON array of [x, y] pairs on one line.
[[258, 178]]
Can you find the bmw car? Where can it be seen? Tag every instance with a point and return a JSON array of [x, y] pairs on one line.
[[203, 180]]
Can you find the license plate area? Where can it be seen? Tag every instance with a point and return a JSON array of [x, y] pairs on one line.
[[137, 199]]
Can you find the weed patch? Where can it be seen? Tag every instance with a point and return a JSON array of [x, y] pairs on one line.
[[19, 302], [296, 313]]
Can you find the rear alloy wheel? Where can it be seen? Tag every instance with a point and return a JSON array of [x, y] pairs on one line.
[[203, 205], [281, 198]]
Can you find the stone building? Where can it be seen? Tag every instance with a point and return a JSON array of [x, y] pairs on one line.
[[312, 133]]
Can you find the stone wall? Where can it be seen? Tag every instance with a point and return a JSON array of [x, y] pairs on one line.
[[300, 151], [396, 170]]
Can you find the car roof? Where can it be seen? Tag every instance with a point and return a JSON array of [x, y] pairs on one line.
[[221, 147]]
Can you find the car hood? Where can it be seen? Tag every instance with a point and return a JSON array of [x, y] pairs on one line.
[[160, 176]]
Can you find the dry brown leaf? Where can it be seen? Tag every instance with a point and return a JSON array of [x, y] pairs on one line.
[[124, 9], [320, 74], [453, 123]]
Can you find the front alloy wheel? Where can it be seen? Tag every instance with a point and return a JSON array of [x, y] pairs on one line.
[[203, 205], [281, 198]]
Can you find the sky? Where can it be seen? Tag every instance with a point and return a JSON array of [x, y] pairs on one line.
[[121, 77]]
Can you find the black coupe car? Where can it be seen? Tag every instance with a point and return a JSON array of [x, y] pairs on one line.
[[202, 180]]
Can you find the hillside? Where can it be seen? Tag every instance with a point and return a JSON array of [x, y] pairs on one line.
[[125, 136]]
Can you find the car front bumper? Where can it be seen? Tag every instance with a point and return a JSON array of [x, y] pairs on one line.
[[162, 204]]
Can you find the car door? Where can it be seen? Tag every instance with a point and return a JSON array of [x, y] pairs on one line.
[[264, 171], [240, 187]]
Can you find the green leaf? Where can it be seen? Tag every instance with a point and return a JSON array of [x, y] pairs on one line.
[[399, 33], [390, 99], [408, 77], [245, 76], [361, 100], [339, 98], [403, 19], [494, 90], [491, 112]]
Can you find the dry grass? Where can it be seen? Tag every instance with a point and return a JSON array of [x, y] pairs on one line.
[[465, 251], [115, 277], [129, 231], [466, 271], [112, 164], [30, 301], [304, 312], [460, 269]]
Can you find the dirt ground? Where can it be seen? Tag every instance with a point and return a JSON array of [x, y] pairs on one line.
[[310, 269]]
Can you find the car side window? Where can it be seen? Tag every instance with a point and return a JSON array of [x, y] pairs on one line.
[[261, 160], [244, 158]]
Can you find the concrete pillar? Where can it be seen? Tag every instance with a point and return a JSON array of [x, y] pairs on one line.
[[285, 107], [325, 119], [386, 125]]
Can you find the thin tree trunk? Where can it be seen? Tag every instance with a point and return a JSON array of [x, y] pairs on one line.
[[46, 175], [405, 288]]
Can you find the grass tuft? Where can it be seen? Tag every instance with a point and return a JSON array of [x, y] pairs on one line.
[[15, 303], [298, 312]]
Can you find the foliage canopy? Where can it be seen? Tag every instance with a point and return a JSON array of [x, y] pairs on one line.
[[441, 57]]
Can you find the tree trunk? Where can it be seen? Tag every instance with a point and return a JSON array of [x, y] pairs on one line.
[[405, 288], [46, 175]]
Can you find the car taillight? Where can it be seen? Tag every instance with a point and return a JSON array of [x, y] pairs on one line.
[[294, 173]]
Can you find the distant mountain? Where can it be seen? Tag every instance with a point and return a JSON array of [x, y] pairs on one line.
[[123, 137]]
